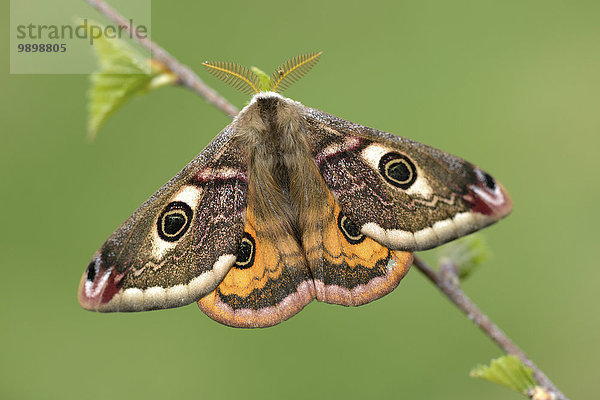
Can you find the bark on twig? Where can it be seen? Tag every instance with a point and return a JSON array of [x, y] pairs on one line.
[[446, 280]]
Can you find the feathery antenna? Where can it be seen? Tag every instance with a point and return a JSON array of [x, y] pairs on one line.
[[235, 75], [252, 81], [292, 70]]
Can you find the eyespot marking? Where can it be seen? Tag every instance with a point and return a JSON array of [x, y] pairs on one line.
[[174, 221], [349, 229], [398, 170], [246, 252], [92, 271], [490, 182]]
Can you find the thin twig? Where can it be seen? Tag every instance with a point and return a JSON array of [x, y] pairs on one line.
[[186, 76], [447, 281]]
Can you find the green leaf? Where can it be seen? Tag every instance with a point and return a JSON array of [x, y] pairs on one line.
[[467, 254], [123, 73], [507, 371]]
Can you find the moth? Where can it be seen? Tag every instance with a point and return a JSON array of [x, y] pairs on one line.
[[288, 204]]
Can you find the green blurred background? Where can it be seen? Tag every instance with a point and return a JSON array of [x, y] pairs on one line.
[[510, 85]]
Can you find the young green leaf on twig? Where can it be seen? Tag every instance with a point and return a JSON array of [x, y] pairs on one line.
[[510, 372], [123, 73], [466, 254]]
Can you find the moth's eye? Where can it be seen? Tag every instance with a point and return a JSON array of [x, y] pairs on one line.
[[92, 271], [398, 170], [174, 221], [246, 251], [349, 229]]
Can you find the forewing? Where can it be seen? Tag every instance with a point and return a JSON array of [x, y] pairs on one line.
[[179, 244], [405, 195]]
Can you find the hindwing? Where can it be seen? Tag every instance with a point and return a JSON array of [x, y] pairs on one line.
[[268, 283], [349, 268]]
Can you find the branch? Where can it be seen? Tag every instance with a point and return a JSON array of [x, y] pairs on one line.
[[448, 282], [186, 76]]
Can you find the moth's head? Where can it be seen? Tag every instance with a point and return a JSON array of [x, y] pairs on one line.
[[253, 80]]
